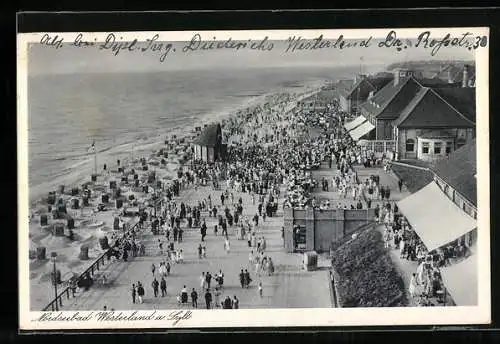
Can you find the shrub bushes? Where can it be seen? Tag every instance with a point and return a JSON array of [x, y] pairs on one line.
[[366, 274]]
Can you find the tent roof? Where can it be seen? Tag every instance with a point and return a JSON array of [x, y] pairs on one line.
[[434, 217], [461, 281]]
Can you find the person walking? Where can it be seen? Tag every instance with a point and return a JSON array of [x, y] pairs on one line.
[[242, 278], [194, 298], [203, 281], [400, 184], [208, 278], [163, 287], [203, 230], [227, 304], [200, 249], [140, 292], [155, 286], [153, 268], [134, 293], [236, 303], [260, 289], [217, 294], [208, 299], [247, 279]]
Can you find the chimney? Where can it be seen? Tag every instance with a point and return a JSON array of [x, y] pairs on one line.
[[396, 77], [450, 78], [465, 78]]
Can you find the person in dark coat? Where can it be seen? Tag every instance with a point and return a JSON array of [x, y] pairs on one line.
[[155, 286], [400, 184], [208, 299], [163, 287], [247, 279], [194, 298], [140, 292], [208, 278], [227, 304], [203, 230], [134, 293], [242, 278]]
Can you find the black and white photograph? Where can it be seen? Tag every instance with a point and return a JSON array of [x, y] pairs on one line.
[[300, 175]]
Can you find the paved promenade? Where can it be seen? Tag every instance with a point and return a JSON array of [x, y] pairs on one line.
[[290, 286]]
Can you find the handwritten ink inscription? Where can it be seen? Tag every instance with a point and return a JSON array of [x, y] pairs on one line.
[[294, 44], [173, 318]]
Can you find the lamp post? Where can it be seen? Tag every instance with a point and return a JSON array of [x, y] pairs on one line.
[[53, 257]]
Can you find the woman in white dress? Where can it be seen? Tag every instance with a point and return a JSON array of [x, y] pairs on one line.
[[412, 288], [202, 281]]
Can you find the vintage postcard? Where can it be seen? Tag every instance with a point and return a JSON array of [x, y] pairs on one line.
[[253, 178]]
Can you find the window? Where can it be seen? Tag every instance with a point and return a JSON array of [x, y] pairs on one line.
[[449, 147], [410, 145], [425, 147], [437, 147]]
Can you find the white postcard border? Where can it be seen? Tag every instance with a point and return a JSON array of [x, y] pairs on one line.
[[480, 314]]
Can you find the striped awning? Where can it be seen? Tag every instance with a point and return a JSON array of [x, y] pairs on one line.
[[354, 123], [361, 131]]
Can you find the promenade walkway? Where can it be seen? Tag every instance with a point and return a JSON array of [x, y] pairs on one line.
[[290, 286]]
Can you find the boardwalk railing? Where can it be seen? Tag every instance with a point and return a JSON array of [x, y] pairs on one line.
[[67, 291]]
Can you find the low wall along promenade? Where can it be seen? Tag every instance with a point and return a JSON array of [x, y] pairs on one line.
[[324, 226]]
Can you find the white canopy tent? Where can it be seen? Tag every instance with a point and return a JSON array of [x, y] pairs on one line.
[[434, 217], [461, 281], [354, 123], [362, 130]]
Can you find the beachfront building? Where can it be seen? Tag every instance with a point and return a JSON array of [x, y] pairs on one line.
[[208, 145], [443, 214], [425, 118], [435, 123], [351, 93]]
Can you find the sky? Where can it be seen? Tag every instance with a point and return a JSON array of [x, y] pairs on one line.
[[44, 60]]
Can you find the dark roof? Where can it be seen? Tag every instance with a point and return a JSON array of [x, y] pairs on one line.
[[461, 98], [454, 73], [344, 87], [363, 86], [211, 136], [392, 99], [459, 170], [429, 110]]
